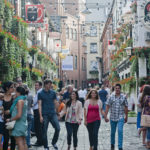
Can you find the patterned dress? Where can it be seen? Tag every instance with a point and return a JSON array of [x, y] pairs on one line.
[[146, 105]]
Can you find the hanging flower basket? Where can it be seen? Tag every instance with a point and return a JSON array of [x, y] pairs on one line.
[[33, 50]]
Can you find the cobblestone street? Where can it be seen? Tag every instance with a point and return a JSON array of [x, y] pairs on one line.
[[131, 141]]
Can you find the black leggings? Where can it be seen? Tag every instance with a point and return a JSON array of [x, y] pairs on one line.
[[6, 140], [93, 133], [72, 128]]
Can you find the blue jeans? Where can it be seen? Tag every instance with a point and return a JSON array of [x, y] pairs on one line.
[[148, 134], [52, 118], [139, 120], [104, 106], [114, 124], [29, 119], [72, 128], [93, 133]]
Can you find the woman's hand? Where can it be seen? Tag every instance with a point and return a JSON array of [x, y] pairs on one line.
[[8, 120], [7, 112], [85, 122], [79, 122]]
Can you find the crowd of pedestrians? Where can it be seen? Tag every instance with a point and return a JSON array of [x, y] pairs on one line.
[[30, 113]]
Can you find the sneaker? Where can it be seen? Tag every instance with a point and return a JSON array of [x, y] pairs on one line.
[[46, 148], [112, 147], [55, 146]]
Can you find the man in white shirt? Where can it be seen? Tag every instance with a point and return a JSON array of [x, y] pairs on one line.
[[81, 94], [37, 124]]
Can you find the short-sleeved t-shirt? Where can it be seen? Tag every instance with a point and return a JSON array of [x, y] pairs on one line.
[[47, 98]]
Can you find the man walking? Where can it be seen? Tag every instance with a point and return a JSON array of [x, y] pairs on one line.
[[118, 105], [103, 96], [47, 104], [37, 123]]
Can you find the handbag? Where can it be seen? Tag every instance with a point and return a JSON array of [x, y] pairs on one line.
[[145, 120], [10, 125]]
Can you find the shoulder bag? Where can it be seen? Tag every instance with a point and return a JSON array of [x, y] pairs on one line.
[[145, 119]]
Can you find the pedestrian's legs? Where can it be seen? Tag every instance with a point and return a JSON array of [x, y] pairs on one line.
[[38, 126], [6, 139], [148, 138], [120, 132], [29, 119], [95, 133], [138, 120], [45, 127], [90, 127], [113, 125], [75, 128], [13, 143], [55, 124], [69, 132]]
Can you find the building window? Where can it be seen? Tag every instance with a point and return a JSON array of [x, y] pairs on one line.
[[67, 33], [68, 82], [75, 62], [76, 84], [94, 65], [93, 48], [71, 34], [93, 30], [75, 35], [72, 82]]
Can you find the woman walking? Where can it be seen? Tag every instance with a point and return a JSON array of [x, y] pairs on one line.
[[145, 104], [18, 113], [73, 111], [8, 88], [92, 110]]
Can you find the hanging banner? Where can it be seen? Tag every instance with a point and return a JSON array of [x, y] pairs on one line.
[[67, 63], [34, 13]]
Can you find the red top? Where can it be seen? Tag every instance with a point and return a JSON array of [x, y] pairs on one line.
[[93, 113]]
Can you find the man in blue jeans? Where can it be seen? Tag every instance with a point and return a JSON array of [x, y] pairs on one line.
[[103, 96], [47, 104], [118, 105]]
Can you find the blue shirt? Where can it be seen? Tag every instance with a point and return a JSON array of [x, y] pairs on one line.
[[103, 95], [66, 96], [47, 101]]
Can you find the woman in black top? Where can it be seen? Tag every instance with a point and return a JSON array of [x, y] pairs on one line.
[[8, 88]]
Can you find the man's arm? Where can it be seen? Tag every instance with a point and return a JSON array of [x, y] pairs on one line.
[[40, 110], [126, 114], [56, 105]]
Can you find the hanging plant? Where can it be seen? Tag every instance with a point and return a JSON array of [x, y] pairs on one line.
[[40, 56], [134, 66], [33, 50]]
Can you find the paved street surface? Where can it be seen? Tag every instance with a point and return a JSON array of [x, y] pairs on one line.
[[131, 141]]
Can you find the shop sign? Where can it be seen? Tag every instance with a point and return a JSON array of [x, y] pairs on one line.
[[34, 13]]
